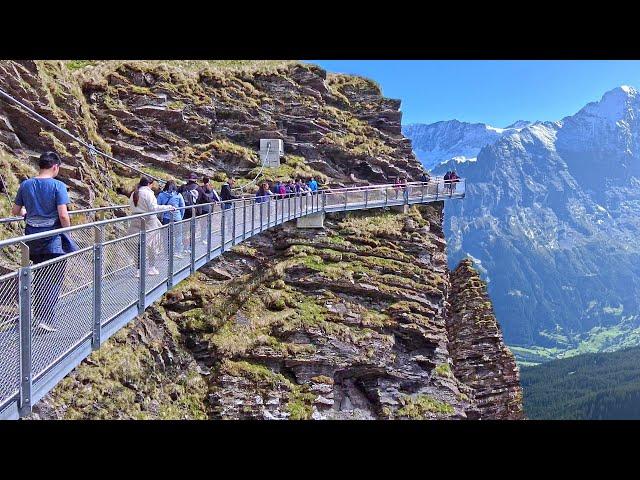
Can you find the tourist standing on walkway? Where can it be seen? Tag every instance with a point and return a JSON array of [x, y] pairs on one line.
[[43, 201], [192, 194], [424, 178], [276, 187], [397, 186], [225, 193], [263, 193], [290, 189], [282, 190], [170, 196], [447, 182], [209, 195], [143, 200], [313, 185], [454, 178]]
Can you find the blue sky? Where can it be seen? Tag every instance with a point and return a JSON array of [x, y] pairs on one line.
[[495, 92]]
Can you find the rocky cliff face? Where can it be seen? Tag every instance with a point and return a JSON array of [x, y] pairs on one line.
[[347, 322], [480, 357]]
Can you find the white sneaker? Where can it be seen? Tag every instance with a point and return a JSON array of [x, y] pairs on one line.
[[46, 328], [153, 271]]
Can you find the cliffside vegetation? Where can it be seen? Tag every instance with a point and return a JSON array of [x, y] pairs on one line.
[[602, 386]]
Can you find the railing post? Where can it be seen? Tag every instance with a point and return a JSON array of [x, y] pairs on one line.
[[324, 202], [192, 265], [406, 194], [269, 200], [222, 227], [97, 287], [437, 185], [345, 200], [142, 263], [386, 196], [276, 214], [244, 219], [233, 226], [170, 251], [209, 231], [261, 208], [366, 198], [253, 217], [24, 300], [422, 199]]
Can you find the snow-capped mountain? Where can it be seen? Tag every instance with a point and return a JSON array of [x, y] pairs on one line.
[[461, 141], [552, 213]]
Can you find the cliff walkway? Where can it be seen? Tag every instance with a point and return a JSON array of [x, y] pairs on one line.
[[90, 294]]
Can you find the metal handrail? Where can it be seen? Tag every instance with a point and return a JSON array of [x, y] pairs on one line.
[[91, 308], [36, 236], [319, 191]]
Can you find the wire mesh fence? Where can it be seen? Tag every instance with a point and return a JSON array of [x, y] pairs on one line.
[[119, 281], [62, 301], [182, 245], [216, 228], [9, 337], [202, 225], [157, 257]]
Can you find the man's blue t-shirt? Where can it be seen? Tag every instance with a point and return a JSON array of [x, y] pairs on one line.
[[41, 197], [313, 185]]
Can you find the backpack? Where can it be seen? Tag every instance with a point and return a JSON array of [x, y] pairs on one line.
[[208, 195], [190, 197]]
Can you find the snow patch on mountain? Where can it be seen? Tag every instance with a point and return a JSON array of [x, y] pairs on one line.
[[440, 142]]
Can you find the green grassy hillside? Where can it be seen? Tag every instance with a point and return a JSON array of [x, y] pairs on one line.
[[592, 386]]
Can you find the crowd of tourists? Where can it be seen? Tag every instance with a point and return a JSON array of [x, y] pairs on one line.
[[42, 201], [193, 198]]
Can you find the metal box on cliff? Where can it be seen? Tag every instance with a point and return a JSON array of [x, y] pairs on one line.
[[270, 151]]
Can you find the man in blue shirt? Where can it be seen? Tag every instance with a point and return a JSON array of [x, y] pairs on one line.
[[43, 202], [313, 185]]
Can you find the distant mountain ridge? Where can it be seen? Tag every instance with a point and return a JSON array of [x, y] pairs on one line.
[[551, 216], [461, 141]]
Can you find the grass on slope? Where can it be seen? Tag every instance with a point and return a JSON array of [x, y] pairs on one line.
[[186, 66], [599, 339]]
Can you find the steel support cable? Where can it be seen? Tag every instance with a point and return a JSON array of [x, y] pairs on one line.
[[5, 190], [88, 146], [259, 172]]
